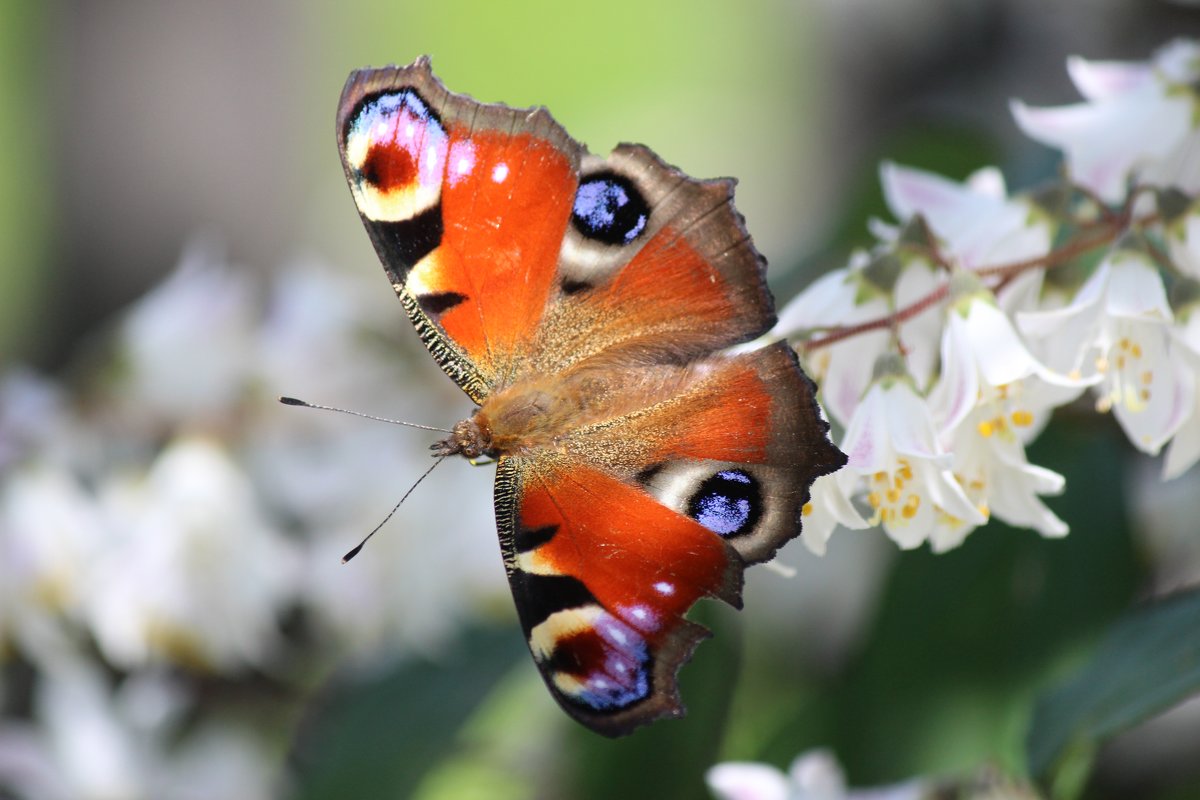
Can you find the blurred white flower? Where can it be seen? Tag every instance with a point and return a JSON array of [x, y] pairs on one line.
[[193, 572], [1138, 121], [892, 447], [840, 297], [91, 741], [188, 343], [814, 775], [51, 532], [31, 414], [1183, 243]]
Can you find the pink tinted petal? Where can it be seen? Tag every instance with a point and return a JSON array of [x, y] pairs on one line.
[[1098, 80], [1105, 141], [911, 191], [989, 182], [866, 443], [741, 780], [958, 389], [851, 364]]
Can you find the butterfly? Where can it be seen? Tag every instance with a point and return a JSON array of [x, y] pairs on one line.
[[587, 306]]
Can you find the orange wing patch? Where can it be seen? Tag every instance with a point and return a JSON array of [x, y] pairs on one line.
[[505, 205]]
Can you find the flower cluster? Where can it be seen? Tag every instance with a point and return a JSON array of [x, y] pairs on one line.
[[160, 521], [942, 351]]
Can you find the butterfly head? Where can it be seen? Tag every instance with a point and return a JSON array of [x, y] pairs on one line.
[[471, 438]]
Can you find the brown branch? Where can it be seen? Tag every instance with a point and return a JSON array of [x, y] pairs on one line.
[[1003, 272]]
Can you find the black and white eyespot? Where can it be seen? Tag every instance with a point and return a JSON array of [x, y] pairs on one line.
[[611, 217], [728, 503], [728, 499], [610, 209]]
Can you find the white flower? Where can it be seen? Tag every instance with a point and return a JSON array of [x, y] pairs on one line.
[[847, 297], [984, 362], [1119, 327], [194, 572], [978, 225], [828, 508], [51, 530], [840, 297], [188, 343], [987, 404], [1183, 244], [1137, 118], [814, 775], [892, 445], [991, 466], [92, 742]]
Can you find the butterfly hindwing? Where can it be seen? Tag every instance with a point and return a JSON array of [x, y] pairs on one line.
[[602, 575], [607, 549]]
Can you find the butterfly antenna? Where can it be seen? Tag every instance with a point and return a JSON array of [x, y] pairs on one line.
[[292, 401], [417, 483]]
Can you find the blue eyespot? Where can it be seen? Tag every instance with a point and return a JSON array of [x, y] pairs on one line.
[[609, 209], [729, 503]]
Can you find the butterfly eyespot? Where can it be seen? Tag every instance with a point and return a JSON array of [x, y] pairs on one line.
[[728, 503], [397, 150], [610, 209]]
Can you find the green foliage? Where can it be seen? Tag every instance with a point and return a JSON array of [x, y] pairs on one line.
[[1148, 661], [380, 737]]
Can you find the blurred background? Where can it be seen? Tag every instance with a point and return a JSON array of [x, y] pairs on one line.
[[178, 247]]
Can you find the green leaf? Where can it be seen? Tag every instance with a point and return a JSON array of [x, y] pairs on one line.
[[380, 736], [1148, 662], [946, 678]]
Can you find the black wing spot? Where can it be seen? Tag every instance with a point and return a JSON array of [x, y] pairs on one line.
[[437, 303], [570, 287], [532, 538], [539, 596], [406, 242], [610, 209]]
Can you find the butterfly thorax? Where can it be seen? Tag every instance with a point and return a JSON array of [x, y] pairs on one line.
[[543, 413]]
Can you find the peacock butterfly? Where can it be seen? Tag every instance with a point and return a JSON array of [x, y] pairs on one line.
[[588, 306]]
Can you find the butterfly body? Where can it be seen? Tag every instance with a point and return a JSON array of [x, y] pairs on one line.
[[588, 306]]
